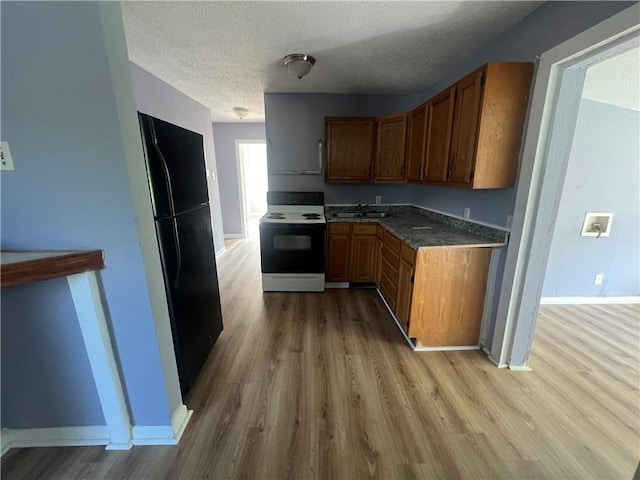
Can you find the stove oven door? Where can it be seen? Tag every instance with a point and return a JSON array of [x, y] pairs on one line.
[[292, 248]]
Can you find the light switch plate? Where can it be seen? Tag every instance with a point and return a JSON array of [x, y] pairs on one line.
[[5, 156]]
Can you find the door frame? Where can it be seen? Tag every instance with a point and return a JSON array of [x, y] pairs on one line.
[[241, 184], [540, 183]]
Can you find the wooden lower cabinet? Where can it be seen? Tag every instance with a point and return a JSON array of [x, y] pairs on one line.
[[437, 293], [448, 296], [405, 287], [365, 255], [353, 253], [338, 252]]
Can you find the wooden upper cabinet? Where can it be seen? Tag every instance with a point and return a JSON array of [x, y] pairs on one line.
[[503, 110], [465, 128], [349, 149], [391, 141], [417, 136], [440, 119]]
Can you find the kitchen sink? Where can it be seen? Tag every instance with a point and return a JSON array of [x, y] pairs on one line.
[[361, 215]]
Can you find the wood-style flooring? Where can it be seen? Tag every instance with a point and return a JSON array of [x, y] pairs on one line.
[[304, 385]]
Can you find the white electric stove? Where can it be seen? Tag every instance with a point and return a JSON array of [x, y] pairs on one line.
[[292, 242]]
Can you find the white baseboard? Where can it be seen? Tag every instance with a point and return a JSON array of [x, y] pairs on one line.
[[53, 437], [447, 349], [587, 300], [233, 235], [95, 435], [163, 434], [494, 361], [520, 368]]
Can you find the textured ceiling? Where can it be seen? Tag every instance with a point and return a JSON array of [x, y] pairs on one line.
[[615, 81], [226, 54]]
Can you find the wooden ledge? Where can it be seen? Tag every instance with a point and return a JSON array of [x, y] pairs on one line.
[[23, 267]]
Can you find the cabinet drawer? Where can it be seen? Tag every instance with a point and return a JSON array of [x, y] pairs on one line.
[[389, 286], [364, 228], [408, 254], [388, 296], [391, 271], [339, 228], [390, 256], [391, 242]]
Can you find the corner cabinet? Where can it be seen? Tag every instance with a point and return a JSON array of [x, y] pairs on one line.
[[391, 141], [489, 111], [349, 147]]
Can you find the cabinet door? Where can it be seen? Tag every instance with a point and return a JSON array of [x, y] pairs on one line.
[[349, 149], [465, 129], [365, 258], [439, 121], [391, 141], [405, 291], [338, 257], [416, 144]]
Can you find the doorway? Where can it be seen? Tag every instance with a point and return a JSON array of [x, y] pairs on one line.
[[253, 183], [553, 114]]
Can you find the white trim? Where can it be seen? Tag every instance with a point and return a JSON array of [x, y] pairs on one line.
[[520, 368], [221, 252], [233, 235], [447, 348], [97, 341], [179, 421], [552, 65], [588, 300], [493, 360], [53, 437], [164, 434], [336, 285]]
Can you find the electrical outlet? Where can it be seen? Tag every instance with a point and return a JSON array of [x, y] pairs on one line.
[[467, 213], [378, 199], [509, 221], [5, 156], [599, 279]]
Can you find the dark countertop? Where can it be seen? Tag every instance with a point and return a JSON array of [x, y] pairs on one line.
[[420, 228]]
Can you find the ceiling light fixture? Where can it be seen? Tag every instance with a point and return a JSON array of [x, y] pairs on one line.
[[298, 64], [240, 112]]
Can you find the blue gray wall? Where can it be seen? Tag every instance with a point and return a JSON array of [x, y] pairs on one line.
[[224, 138], [159, 99], [70, 190], [602, 176]]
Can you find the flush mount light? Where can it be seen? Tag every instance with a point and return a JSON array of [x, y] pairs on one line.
[[298, 64], [240, 112]]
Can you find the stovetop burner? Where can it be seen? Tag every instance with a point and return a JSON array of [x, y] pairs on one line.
[[276, 215], [311, 216]]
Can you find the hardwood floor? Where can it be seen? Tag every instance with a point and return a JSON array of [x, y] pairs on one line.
[[324, 386]]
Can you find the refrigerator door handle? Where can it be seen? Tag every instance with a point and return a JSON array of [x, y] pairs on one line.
[[172, 207]]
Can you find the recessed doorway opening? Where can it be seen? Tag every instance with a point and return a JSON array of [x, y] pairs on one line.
[[251, 158]]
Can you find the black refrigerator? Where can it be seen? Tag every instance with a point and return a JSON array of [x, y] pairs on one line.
[[177, 178]]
